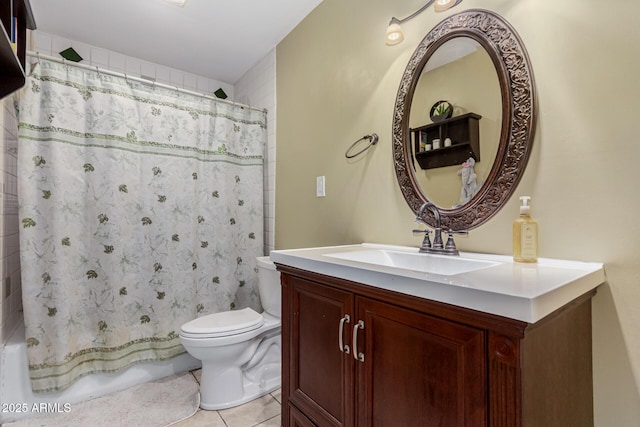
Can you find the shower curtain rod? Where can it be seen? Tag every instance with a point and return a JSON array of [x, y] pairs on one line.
[[138, 79]]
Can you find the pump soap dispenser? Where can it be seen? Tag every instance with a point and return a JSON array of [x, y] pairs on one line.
[[525, 234]]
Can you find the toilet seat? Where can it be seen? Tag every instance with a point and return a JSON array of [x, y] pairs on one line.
[[223, 324]]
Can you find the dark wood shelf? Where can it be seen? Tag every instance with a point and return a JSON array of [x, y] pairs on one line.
[[12, 64], [465, 136]]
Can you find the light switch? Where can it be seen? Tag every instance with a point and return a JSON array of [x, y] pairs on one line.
[[320, 186]]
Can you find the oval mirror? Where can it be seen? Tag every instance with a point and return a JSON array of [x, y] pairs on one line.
[[475, 62]]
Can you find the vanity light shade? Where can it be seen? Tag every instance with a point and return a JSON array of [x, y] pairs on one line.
[[394, 34], [442, 5], [180, 3]]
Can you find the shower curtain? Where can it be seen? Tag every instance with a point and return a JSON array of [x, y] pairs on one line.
[[141, 208]]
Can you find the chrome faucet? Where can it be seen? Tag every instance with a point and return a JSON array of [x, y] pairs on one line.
[[436, 247]]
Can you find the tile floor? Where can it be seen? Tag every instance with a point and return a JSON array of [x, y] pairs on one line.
[[262, 412]]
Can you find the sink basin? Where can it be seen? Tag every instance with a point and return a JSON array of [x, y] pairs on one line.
[[426, 263]]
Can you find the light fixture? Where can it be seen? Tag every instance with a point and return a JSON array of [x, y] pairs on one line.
[[442, 5], [394, 33]]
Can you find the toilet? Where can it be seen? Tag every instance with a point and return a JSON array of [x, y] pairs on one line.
[[239, 349]]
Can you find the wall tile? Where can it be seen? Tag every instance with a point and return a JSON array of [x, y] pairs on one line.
[[132, 66], [148, 69], [58, 44], [10, 286], [177, 78], [49, 44], [258, 88], [43, 43], [163, 75], [190, 81], [203, 85], [99, 57], [117, 62]]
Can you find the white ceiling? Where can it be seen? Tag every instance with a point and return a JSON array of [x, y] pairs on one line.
[[217, 39]]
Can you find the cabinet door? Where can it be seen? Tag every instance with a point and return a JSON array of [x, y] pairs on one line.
[[297, 418], [418, 370], [321, 376]]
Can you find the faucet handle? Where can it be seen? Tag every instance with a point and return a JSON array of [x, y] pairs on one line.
[[416, 231], [426, 242], [450, 247]]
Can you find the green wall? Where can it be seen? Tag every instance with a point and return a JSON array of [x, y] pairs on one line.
[[337, 81]]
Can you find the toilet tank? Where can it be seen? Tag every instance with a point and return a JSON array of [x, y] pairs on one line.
[[269, 286]]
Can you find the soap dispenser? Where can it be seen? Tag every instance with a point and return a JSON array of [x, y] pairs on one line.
[[525, 234]]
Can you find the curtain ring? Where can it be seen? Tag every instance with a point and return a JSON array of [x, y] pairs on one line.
[[373, 140]]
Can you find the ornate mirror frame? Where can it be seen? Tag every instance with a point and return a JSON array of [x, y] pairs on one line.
[[515, 75]]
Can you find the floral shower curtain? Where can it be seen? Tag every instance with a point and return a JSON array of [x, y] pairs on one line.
[[141, 208]]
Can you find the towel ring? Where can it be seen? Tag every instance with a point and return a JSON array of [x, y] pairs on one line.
[[373, 140]]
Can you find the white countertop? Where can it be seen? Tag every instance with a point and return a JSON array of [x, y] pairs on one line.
[[521, 291]]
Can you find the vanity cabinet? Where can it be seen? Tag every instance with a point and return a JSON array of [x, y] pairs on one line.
[[12, 61], [320, 376], [465, 141], [358, 355], [416, 369]]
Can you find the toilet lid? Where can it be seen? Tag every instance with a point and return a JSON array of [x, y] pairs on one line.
[[224, 323]]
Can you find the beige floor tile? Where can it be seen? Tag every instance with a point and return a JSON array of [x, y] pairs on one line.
[[198, 374], [252, 413], [271, 422], [203, 419], [277, 395]]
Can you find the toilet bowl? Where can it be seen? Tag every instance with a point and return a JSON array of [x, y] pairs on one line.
[[239, 349]]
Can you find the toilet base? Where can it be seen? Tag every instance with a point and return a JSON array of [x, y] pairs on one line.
[[252, 391], [233, 386]]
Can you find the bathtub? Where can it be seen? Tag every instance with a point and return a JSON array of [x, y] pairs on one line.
[[15, 387]]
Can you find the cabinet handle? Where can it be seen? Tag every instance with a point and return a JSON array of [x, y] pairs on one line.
[[343, 348], [356, 355]]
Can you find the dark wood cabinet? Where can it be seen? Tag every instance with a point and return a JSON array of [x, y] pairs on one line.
[[465, 141], [297, 418], [320, 376], [418, 370], [12, 61], [356, 355]]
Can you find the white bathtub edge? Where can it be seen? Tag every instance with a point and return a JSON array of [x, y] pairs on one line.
[[15, 387]]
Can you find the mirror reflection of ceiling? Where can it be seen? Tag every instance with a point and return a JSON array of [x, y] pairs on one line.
[[456, 48], [461, 72]]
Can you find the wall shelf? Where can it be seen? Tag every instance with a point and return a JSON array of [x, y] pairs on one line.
[[465, 136], [12, 63]]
